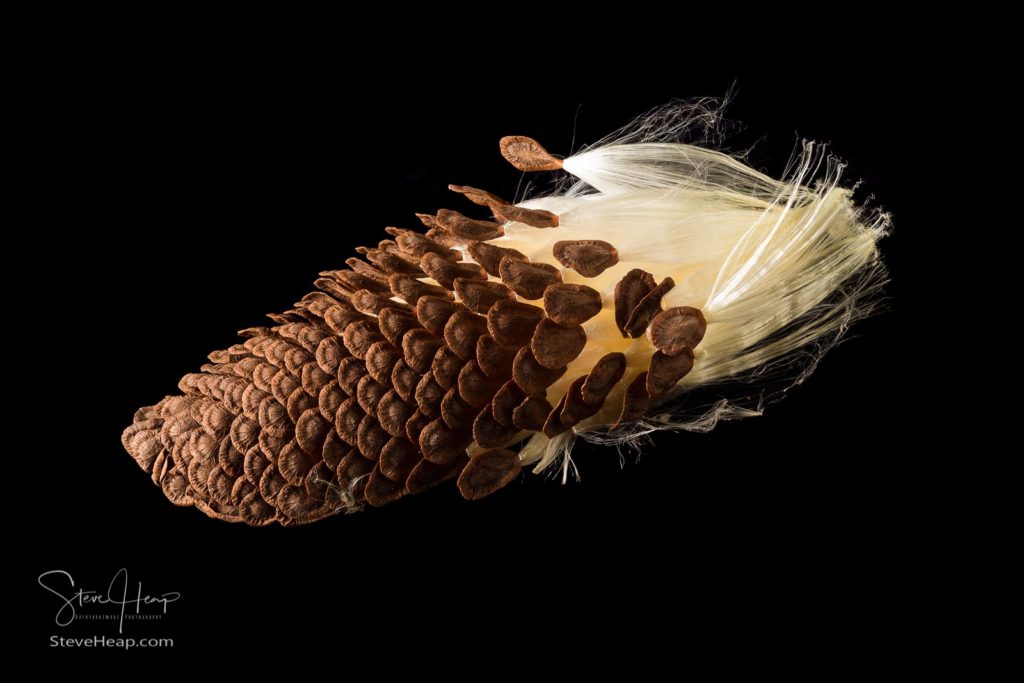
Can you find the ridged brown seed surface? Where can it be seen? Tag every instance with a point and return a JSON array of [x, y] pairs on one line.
[[526, 279], [666, 370], [571, 304], [488, 472], [511, 323], [535, 218], [648, 308], [678, 328], [630, 291], [480, 296], [489, 256], [468, 228], [445, 271], [493, 359], [589, 258], [554, 345], [382, 383], [433, 313], [526, 154], [504, 403], [530, 375], [606, 374], [532, 413]]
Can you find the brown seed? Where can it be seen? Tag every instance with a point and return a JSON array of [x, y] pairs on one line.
[[490, 433], [488, 472], [526, 154], [489, 256], [368, 393], [428, 396], [467, 228], [506, 401], [635, 400], [312, 297], [475, 387], [393, 413], [433, 313], [314, 379], [495, 361], [419, 348], [630, 291], [293, 464], [589, 258], [455, 412], [347, 419], [426, 474], [528, 280], [381, 358], [363, 268], [380, 490], [446, 367], [391, 259], [395, 322], [462, 332], [369, 303], [532, 413], [310, 336], [296, 506], [606, 374], [440, 444], [283, 384], [666, 370], [334, 450], [338, 318], [530, 375], [332, 287], [310, 432], [535, 218], [404, 380], [678, 328], [512, 323], [351, 467], [480, 296], [554, 345], [410, 289], [553, 422], [574, 408], [355, 281], [360, 336], [571, 304], [370, 438], [414, 425], [397, 459], [443, 237], [648, 307], [478, 197], [350, 371], [415, 244], [331, 397], [445, 271]]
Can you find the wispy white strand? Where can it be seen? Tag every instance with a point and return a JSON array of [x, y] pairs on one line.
[[780, 268]]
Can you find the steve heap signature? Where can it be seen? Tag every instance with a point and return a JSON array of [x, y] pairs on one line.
[[62, 584]]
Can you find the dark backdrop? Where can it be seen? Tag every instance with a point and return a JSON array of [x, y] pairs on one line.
[[202, 196]]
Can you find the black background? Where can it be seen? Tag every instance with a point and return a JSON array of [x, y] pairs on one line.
[[202, 196]]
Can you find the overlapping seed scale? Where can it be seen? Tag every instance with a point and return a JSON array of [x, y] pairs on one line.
[[411, 367]]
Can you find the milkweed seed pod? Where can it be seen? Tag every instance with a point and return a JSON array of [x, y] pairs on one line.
[[489, 344]]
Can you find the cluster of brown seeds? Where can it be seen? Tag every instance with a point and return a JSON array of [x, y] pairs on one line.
[[379, 384]]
